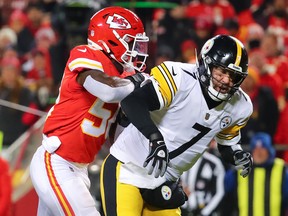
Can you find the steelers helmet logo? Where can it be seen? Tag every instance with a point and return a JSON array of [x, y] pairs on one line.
[[225, 122], [166, 192], [207, 46]]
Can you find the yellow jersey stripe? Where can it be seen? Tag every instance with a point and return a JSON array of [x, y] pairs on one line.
[[227, 136], [163, 84], [102, 187], [85, 63], [233, 131], [169, 77]]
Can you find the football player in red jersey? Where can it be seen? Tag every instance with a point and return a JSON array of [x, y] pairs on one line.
[[78, 124]]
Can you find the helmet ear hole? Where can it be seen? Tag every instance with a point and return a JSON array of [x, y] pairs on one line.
[[208, 60]]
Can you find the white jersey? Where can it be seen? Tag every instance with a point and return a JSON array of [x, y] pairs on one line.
[[185, 121]]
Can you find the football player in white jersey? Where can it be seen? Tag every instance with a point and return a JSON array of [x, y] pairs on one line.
[[174, 116]]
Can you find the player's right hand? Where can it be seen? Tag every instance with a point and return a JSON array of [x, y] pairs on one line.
[[158, 158]]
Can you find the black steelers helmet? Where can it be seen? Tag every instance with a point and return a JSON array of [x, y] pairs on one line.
[[228, 53]]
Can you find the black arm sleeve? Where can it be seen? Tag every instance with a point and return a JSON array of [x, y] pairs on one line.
[[227, 153], [136, 107]]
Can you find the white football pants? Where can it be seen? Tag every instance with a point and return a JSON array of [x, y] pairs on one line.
[[62, 187]]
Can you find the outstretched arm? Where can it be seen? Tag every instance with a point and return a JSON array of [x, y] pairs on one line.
[[234, 154], [110, 89], [137, 107]]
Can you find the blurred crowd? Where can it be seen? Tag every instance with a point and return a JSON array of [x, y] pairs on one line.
[[35, 39], [37, 35]]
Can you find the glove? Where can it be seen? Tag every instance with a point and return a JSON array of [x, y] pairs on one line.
[[243, 161], [136, 79], [158, 157], [122, 119]]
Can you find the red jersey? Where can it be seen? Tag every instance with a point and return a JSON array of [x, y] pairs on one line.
[[79, 119]]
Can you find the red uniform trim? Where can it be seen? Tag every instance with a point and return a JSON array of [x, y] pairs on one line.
[[56, 187]]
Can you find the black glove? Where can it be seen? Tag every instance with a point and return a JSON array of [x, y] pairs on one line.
[[243, 161], [136, 79], [122, 119], [158, 157]]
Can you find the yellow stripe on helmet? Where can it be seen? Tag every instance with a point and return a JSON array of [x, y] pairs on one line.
[[239, 51]]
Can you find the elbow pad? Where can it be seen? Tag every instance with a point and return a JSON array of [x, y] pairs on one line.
[[107, 93], [227, 152]]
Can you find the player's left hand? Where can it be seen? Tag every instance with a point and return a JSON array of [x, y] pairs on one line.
[[243, 161], [136, 79], [158, 158]]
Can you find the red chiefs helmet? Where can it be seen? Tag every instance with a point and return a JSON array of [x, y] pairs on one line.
[[120, 33]]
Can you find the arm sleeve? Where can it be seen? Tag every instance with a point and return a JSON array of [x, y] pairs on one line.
[[137, 107], [227, 152], [107, 93]]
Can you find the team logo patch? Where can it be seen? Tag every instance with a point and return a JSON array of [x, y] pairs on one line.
[[118, 22], [166, 192], [225, 122]]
